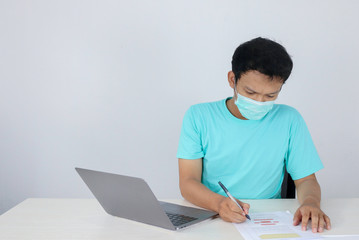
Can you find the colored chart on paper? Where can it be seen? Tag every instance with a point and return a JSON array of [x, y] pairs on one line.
[[272, 225], [265, 221]]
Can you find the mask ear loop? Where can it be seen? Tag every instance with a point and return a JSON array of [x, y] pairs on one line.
[[235, 89]]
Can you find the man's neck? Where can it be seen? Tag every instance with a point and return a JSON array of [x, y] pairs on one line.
[[233, 109]]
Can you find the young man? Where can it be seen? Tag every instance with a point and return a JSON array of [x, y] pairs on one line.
[[246, 141]]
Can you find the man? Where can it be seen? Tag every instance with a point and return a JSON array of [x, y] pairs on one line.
[[247, 141]]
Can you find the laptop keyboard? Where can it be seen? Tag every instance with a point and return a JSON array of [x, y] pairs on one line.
[[178, 219]]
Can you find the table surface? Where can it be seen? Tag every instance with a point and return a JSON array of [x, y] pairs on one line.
[[85, 219]]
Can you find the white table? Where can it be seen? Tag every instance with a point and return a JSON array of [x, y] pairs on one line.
[[85, 219]]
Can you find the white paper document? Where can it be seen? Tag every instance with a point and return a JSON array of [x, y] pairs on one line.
[[343, 237], [273, 225]]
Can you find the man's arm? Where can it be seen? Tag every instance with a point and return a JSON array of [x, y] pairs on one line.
[[309, 196], [192, 189]]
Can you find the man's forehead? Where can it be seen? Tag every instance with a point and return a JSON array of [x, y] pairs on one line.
[[260, 83]]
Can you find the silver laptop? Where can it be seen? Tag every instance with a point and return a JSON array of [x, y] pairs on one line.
[[131, 198]]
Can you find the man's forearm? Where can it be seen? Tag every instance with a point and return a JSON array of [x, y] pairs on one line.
[[309, 192], [198, 194]]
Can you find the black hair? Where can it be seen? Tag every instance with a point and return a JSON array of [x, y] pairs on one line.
[[265, 56]]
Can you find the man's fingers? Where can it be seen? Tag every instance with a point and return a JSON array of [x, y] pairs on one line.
[[305, 219], [297, 217], [238, 218], [233, 206], [319, 220], [231, 212], [321, 224], [231, 216], [246, 207], [315, 222], [327, 222], [243, 204]]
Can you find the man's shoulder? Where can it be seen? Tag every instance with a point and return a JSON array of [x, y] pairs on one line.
[[286, 110], [207, 107]]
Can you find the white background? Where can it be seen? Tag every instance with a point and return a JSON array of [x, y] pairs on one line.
[[105, 84]]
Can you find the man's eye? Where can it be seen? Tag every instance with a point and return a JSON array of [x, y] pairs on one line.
[[250, 93], [270, 96]]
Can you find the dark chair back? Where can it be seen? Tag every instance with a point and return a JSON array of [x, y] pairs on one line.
[[288, 186]]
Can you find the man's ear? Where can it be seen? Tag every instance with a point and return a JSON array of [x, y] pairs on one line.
[[231, 79]]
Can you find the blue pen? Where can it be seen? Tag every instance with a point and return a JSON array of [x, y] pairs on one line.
[[232, 198]]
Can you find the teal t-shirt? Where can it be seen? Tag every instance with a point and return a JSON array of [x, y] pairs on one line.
[[247, 156]]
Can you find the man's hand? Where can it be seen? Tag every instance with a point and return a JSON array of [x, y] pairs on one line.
[[192, 189], [311, 211], [230, 212], [308, 191]]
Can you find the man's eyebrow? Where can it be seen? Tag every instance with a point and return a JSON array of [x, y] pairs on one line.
[[249, 89], [276, 91]]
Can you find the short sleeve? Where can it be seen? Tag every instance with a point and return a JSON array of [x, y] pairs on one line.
[[190, 146], [302, 158]]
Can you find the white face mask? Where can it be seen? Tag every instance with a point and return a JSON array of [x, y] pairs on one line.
[[251, 109]]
